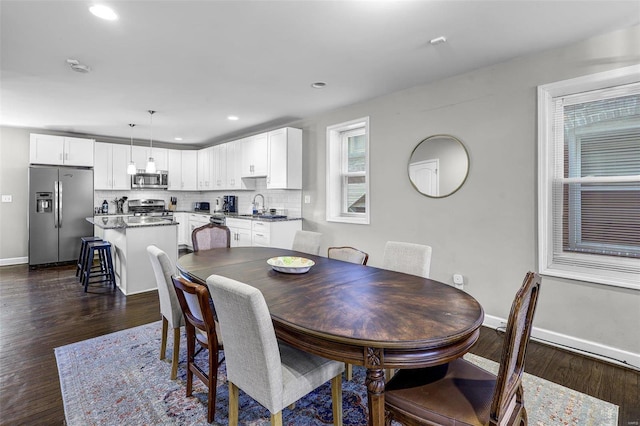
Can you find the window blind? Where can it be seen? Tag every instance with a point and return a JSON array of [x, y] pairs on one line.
[[596, 179]]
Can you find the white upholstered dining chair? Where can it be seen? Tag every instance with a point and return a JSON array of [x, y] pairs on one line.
[[307, 242], [273, 373], [408, 258], [169, 304]]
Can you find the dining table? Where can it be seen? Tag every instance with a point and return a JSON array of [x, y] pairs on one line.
[[361, 315]]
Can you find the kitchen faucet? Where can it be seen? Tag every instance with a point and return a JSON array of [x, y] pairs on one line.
[[255, 205]]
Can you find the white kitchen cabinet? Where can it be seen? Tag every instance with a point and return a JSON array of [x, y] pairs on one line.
[[284, 160], [184, 237], [234, 167], [174, 160], [60, 150], [189, 170], [254, 156], [277, 234], [182, 170], [219, 167], [240, 231], [196, 221], [205, 159], [110, 168], [141, 155]]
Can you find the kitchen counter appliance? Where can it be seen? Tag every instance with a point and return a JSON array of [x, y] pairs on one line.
[[149, 207], [202, 206], [230, 204], [60, 198]]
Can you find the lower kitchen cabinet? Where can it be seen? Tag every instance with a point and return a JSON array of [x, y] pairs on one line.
[[196, 221], [240, 230], [184, 237], [277, 234]]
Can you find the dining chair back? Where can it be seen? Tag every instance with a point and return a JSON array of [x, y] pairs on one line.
[[273, 373], [461, 392], [195, 302], [169, 305], [210, 236], [307, 242], [348, 254], [408, 258]]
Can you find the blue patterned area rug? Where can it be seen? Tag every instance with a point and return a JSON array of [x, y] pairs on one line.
[[119, 379]]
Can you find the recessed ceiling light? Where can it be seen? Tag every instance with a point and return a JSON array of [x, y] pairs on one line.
[[318, 84], [103, 12], [233, 117], [438, 40], [177, 139]]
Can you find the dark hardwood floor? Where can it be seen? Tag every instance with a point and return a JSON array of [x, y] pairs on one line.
[[45, 308]]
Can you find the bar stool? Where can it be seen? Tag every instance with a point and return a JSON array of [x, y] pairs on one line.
[[83, 254], [104, 271]]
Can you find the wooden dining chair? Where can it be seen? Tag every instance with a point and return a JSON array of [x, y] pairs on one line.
[[348, 254], [210, 236], [201, 326], [408, 258], [462, 393], [351, 255], [169, 305], [273, 373], [307, 242]]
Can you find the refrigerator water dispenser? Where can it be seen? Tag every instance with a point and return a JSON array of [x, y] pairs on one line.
[[44, 202]]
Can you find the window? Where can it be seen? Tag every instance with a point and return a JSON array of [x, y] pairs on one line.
[[589, 178], [348, 172]]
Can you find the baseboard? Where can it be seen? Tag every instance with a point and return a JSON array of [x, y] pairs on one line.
[[575, 344], [14, 261]]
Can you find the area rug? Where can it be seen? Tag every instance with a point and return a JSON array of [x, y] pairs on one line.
[[118, 379]]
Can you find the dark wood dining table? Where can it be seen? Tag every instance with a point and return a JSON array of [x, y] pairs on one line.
[[358, 314]]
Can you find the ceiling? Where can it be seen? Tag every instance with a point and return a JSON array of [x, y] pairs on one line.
[[197, 62]]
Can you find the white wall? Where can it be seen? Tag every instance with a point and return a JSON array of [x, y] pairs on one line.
[[487, 230]]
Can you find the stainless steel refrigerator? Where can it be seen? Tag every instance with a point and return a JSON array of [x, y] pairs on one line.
[[60, 198]]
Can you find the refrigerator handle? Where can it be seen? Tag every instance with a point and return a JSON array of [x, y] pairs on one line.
[[56, 207], [60, 204]]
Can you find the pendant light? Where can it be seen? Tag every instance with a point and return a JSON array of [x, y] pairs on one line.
[[131, 169], [151, 165]]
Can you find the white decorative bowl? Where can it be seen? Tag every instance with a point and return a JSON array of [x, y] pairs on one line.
[[291, 264]]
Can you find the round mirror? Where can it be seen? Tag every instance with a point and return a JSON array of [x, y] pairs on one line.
[[438, 166]]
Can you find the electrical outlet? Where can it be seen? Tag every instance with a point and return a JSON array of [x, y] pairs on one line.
[[6, 198], [307, 199], [458, 281]]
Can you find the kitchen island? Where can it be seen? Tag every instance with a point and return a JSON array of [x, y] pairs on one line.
[[129, 237]]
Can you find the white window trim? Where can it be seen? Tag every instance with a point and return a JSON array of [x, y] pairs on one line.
[[577, 270], [334, 174]]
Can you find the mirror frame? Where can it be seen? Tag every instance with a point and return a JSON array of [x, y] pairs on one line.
[[464, 179]]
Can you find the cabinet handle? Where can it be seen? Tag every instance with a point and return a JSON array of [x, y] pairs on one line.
[[259, 235]]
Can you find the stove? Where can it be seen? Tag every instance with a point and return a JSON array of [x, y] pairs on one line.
[[149, 208]]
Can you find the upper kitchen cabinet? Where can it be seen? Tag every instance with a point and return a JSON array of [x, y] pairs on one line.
[[284, 159], [60, 150], [182, 170], [234, 167], [160, 156], [254, 156], [219, 167], [110, 169], [205, 160]]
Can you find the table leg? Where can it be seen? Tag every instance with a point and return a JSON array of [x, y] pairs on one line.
[[375, 396]]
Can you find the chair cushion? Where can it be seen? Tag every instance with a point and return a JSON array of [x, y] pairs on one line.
[[303, 372], [458, 393]]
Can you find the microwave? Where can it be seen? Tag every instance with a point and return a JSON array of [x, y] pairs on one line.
[[142, 180]]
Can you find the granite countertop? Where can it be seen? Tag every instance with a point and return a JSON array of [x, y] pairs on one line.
[[261, 217], [120, 222]]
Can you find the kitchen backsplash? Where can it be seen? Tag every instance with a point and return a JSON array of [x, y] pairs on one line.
[[285, 201]]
